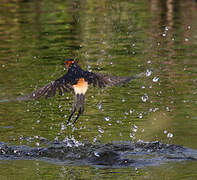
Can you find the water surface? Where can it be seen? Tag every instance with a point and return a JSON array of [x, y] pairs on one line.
[[117, 38]]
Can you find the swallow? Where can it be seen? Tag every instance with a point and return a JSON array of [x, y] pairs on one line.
[[78, 81]]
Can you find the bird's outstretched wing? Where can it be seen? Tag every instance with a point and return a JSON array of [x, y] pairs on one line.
[[61, 85], [102, 80]]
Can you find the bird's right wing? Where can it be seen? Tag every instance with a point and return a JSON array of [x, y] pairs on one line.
[[102, 80], [61, 85]]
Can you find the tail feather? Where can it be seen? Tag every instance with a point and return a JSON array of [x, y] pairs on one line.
[[79, 102]]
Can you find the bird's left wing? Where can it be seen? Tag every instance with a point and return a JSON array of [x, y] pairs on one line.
[[61, 85]]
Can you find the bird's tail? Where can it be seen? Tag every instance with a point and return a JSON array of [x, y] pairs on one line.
[[78, 105], [79, 102]]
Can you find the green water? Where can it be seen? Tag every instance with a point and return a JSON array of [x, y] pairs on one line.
[[110, 37]]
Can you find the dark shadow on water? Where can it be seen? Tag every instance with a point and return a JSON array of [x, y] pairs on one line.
[[117, 154]]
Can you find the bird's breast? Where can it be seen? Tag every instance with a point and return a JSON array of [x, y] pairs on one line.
[[81, 87]]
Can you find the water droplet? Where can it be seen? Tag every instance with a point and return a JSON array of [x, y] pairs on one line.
[[166, 28], [126, 113], [132, 135], [149, 61], [155, 79], [155, 109], [135, 126], [96, 154], [100, 130], [148, 72], [95, 139], [140, 141], [144, 98], [134, 130], [140, 116], [107, 118], [89, 68], [169, 135], [167, 108], [119, 122], [63, 127], [99, 105], [131, 111]]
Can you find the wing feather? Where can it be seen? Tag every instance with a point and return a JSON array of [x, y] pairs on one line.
[[102, 80], [61, 85]]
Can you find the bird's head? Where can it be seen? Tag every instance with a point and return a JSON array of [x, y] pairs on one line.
[[68, 62]]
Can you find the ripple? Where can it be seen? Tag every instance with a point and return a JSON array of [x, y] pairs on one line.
[[117, 154]]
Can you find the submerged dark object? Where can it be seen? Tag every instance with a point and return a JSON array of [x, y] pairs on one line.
[[119, 154], [76, 80]]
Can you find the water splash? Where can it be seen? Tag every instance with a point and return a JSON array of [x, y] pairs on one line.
[[101, 130], [107, 118], [144, 97], [100, 106], [169, 135], [140, 116], [148, 72], [155, 79]]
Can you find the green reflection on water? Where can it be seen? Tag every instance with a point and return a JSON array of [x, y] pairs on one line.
[[110, 37]]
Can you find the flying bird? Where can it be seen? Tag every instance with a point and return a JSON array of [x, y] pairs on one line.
[[77, 80]]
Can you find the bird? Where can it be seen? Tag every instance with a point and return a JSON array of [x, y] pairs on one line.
[[78, 81]]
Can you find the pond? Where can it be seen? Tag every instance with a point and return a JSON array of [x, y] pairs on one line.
[[126, 131]]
